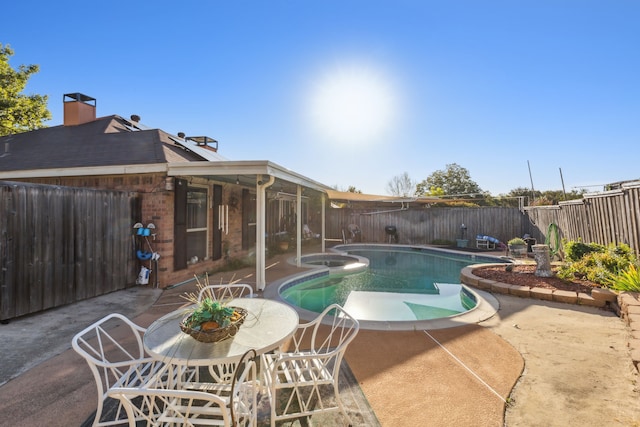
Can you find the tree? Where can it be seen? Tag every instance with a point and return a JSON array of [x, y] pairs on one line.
[[353, 189], [18, 112], [350, 189], [401, 185], [453, 181], [542, 198]]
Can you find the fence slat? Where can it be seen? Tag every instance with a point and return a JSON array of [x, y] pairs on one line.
[[59, 245]]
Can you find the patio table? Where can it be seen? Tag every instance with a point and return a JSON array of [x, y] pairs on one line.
[[267, 326]]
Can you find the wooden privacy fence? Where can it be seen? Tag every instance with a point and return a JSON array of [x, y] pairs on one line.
[[59, 245], [607, 217], [420, 226]]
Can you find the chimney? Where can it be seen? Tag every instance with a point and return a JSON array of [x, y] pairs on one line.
[[78, 109]]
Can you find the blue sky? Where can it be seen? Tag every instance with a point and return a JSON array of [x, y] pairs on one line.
[[357, 92]]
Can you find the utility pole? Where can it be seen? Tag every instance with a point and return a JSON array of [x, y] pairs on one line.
[[533, 193], [562, 180]]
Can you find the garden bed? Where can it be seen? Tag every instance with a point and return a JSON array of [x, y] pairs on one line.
[[523, 275]]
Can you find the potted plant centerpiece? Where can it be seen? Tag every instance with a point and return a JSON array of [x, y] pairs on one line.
[[517, 247], [210, 319]]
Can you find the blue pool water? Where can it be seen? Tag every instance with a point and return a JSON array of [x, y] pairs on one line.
[[401, 283]]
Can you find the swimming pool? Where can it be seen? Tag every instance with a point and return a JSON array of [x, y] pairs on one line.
[[401, 284]]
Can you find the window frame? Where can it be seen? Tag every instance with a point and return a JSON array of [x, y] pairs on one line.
[[196, 188]]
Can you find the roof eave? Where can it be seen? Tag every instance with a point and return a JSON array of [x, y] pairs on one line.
[[204, 168], [85, 171], [243, 167]]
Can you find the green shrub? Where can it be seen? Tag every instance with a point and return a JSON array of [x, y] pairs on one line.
[[576, 249], [597, 263], [627, 280], [454, 204], [516, 241], [623, 251]]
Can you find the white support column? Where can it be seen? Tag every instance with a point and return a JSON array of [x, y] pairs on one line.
[[299, 225], [323, 220], [261, 210]]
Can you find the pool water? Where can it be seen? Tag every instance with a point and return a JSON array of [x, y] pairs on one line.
[[401, 283]]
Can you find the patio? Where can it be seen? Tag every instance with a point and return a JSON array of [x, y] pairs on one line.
[[576, 368]]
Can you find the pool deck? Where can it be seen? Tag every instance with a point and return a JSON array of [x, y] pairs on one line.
[[459, 376]]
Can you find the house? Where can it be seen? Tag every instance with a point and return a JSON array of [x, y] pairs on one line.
[[204, 206]]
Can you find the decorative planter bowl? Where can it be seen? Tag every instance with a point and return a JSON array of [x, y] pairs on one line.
[[215, 335], [518, 251]]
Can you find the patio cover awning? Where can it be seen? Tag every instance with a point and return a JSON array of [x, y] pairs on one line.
[[348, 197], [262, 174], [245, 171]]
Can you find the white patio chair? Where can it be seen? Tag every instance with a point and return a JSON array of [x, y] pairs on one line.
[[113, 349], [160, 407], [293, 380], [226, 291], [232, 404], [222, 292]]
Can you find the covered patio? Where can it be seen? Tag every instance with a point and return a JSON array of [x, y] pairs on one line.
[[270, 181]]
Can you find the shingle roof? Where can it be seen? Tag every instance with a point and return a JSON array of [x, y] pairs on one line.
[[106, 141]]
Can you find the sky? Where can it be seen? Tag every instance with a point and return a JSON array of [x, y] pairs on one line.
[[542, 94]]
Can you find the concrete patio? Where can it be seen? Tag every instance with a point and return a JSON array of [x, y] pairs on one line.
[[569, 364]]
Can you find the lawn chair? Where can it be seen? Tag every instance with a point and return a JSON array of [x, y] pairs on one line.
[[212, 404], [293, 380], [115, 362]]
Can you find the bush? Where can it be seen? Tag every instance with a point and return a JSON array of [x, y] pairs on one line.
[[628, 280], [454, 204], [576, 249], [597, 263]]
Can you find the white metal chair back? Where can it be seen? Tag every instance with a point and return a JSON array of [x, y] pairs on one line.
[[339, 330], [313, 364], [162, 407], [211, 404], [244, 392], [226, 291], [114, 351]]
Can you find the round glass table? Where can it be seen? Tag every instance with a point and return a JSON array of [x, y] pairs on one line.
[[267, 326]]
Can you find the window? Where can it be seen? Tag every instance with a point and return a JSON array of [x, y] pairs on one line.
[[197, 210]]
